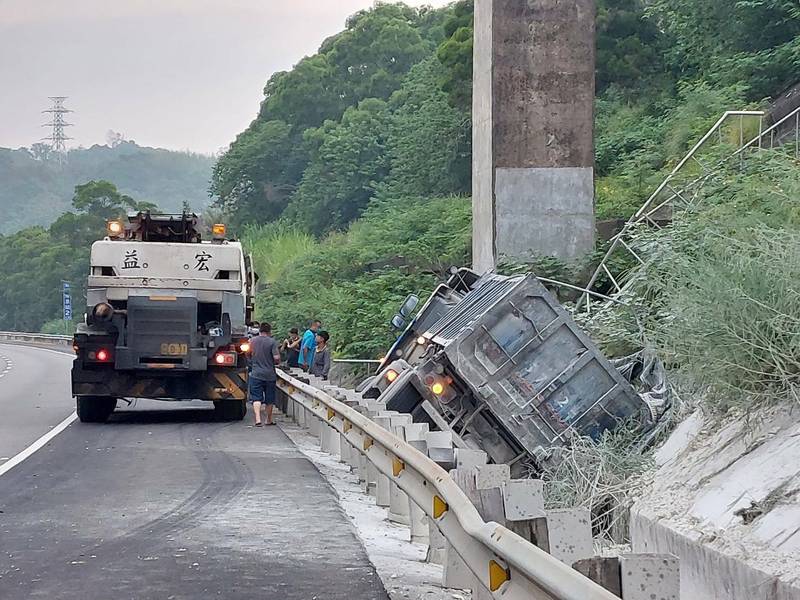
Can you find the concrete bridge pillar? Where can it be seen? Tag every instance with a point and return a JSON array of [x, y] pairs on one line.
[[533, 130]]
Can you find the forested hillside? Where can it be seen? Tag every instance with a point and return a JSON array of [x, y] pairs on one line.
[[352, 183], [35, 189], [379, 121]]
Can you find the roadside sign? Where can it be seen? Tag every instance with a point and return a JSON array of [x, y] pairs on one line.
[[66, 300]]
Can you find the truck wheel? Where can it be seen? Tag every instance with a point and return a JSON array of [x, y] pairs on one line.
[[95, 409], [230, 410]]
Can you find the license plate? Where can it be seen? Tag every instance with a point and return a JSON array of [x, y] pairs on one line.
[[174, 349]]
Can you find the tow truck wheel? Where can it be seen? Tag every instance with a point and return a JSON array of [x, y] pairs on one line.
[[230, 410], [95, 409]]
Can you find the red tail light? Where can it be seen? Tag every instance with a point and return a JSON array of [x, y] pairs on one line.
[[100, 355]]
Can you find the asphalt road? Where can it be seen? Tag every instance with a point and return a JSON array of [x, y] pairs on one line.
[[165, 503]]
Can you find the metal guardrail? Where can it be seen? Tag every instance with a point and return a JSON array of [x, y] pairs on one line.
[[43, 339], [505, 564]]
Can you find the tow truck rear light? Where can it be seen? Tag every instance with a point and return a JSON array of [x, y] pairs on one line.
[[225, 359], [391, 375], [244, 346], [100, 355]]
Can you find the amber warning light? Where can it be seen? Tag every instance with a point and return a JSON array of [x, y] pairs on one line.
[[218, 231], [115, 228]]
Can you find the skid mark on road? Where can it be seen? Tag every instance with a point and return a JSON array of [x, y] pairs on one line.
[[6, 364]]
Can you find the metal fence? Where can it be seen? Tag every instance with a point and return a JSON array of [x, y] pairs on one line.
[[677, 193]]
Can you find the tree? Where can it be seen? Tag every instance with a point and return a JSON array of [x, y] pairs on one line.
[[757, 41], [265, 165], [114, 138], [41, 151], [101, 199], [348, 162], [455, 54], [630, 48], [429, 141], [254, 179]]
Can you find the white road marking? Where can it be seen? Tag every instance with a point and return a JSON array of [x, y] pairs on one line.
[[38, 444], [42, 441]]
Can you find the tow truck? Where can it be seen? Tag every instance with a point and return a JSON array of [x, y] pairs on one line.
[[166, 315]]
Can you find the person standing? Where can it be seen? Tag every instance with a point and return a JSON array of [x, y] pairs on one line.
[[291, 345], [309, 344], [321, 364], [264, 357]]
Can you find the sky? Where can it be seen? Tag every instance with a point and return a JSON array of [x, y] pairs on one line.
[[177, 74]]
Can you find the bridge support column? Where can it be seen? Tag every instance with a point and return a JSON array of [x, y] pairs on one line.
[[533, 123]]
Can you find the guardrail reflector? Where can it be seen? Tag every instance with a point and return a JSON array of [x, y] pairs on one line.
[[331, 414], [397, 466], [290, 390], [315, 404], [498, 575], [439, 507], [347, 426], [367, 443]]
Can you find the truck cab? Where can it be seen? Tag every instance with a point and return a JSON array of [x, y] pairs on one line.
[[166, 317]]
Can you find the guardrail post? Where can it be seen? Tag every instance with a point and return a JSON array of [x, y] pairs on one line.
[[456, 573], [358, 461], [398, 501], [415, 436], [440, 449], [382, 487]]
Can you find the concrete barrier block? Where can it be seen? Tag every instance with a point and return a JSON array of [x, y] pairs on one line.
[[524, 499], [604, 571], [469, 458], [490, 476], [569, 533], [417, 432], [375, 406], [440, 447], [650, 577]]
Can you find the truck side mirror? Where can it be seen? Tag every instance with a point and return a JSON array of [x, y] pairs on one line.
[[398, 322], [408, 306]]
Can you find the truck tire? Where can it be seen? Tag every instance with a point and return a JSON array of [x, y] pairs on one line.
[[230, 410], [95, 409]]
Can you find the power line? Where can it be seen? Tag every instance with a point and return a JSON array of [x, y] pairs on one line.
[[57, 137]]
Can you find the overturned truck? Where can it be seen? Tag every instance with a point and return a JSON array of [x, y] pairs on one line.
[[499, 362]]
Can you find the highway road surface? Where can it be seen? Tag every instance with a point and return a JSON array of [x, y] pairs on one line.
[[161, 503]]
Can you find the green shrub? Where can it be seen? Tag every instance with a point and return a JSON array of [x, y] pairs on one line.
[[354, 281]]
